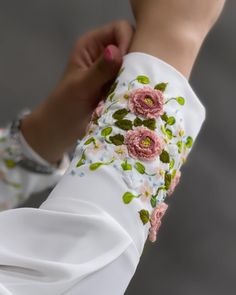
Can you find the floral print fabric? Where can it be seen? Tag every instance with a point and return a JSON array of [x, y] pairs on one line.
[[139, 131]]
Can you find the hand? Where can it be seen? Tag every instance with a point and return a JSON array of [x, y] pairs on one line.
[[55, 125]]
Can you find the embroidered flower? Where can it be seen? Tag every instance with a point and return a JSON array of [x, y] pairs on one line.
[[146, 191], [143, 144], [147, 102], [98, 111], [95, 147], [174, 182], [155, 220], [121, 152]]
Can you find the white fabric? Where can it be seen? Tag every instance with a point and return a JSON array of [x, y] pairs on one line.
[[17, 184], [84, 239]]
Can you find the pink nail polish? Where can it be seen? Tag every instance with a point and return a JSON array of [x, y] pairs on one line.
[[108, 53]]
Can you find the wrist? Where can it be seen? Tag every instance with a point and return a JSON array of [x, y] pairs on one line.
[[36, 134]]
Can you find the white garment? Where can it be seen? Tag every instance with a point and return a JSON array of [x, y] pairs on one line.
[[16, 183], [84, 239]]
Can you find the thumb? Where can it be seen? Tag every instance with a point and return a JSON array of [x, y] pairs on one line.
[[104, 70]]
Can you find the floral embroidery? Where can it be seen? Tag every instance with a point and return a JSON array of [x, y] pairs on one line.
[[146, 102], [139, 131], [155, 220], [174, 182], [143, 144]]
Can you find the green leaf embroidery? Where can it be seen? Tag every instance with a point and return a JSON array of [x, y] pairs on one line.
[[125, 166], [117, 139], [161, 86], [180, 100], [143, 79], [170, 121], [137, 122], [82, 160], [120, 114], [150, 123], [179, 145], [169, 133], [9, 163], [153, 201], [140, 168], [165, 157], [172, 163], [144, 216], [164, 117], [96, 165], [106, 131], [111, 96], [3, 139], [88, 141], [128, 197], [124, 124], [163, 129], [173, 173], [189, 142], [167, 180]]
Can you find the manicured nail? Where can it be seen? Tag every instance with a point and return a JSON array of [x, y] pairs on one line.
[[108, 53]]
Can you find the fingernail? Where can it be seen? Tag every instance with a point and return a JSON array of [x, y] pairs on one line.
[[108, 53]]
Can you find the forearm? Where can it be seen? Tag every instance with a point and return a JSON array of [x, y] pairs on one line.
[[174, 30]]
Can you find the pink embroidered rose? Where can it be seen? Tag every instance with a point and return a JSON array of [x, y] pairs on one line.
[[174, 182], [155, 220], [147, 102], [98, 111], [143, 144]]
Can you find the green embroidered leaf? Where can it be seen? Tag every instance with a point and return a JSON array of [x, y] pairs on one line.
[[111, 96], [164, 117], [106, 131], [169, 133], [189, 142], [153, 201], [163, 129], [180, 100], [143, 79], [120, 114], [161, 86], [9, 163], [171, 121], [173, 173], [137, 122], [117, 139], [113, 88], [150, 123], [172, 163], [2, 139], [128, 197], [124, 124], [82, 160], [125, 166], [167, 180], [165, 157], [95, 166], [179, 145], [144, 216], [88, 141], [140, 168]]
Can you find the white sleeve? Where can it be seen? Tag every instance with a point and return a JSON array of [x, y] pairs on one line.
[[16, 183], [88, 236]]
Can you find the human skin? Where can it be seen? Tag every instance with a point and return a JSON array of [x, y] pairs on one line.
[[55, 125], [174, 30]]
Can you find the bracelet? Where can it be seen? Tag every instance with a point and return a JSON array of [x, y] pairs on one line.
[[16, 152]]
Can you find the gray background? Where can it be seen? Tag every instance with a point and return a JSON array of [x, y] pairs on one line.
[[195, 252]]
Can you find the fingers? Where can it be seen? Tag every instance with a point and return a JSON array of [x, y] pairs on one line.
[[103, 70]]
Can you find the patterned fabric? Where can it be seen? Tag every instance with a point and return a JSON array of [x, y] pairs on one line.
[[16, 183], [139, 131]]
